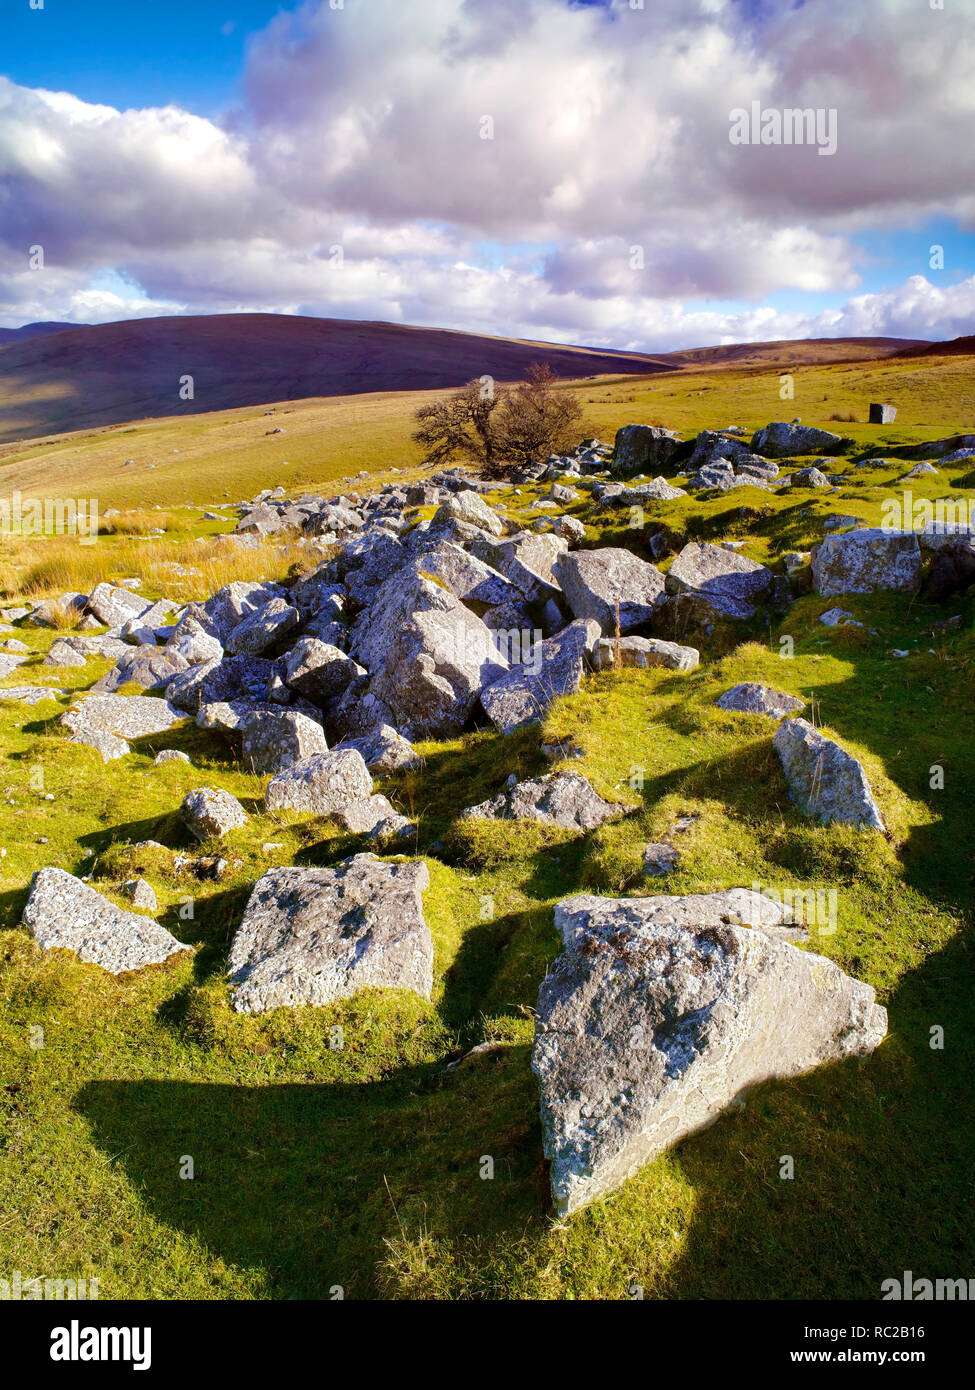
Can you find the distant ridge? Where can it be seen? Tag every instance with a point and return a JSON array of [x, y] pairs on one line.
[[56, 378]]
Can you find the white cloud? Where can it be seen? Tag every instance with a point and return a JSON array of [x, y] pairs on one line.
[[360, 128]]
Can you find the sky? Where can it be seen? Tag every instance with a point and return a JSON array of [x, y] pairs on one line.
[[569, 170]]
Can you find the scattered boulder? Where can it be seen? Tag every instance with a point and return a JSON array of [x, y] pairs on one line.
[[209, 812], [659, 860], [170, 755], [824, 780], [859, 562], [274, 741], [319, 671], [641, 448], [524, 693], [30, 694], [384, 750], [882, 414], [105, 722], [781, 440], [566, 799], [62, 912], [660, 1013], [714, 583], [142, 894], [263, 628], [321, 784], [752, 698], [312, 936], [114, 607], [644, 652]]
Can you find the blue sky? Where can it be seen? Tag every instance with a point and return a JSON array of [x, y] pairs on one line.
[[355, 125]]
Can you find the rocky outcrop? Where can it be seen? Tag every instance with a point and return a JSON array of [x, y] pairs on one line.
[[661, 1012]]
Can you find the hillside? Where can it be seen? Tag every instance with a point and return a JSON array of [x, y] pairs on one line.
[[85, 377], [224, 455]]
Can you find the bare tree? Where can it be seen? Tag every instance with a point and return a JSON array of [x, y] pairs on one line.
[[460, 425], [536, 419], [500, 429]]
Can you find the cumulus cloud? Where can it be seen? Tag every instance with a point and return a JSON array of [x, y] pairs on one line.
[[526, 167]]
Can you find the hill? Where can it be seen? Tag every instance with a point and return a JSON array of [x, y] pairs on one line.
[[80, 378]]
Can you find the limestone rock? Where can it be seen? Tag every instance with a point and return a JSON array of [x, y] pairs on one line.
[[640, 448], [274, 741], [524, 693], [781, 440], [210, 811], [752, 698], [321, 784], [858, 562], [594, 580], [566, 799], [728, 584], [646, 651], [262, 628], [662, 1012], [824, 780], [311, 936], [62, 911]]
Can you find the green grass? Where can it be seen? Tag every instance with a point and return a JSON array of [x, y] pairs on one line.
[[318, 1166]]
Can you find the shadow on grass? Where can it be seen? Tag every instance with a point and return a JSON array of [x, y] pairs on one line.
[[307, 1183]]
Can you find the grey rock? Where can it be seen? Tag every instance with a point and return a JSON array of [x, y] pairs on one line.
[[274, 741], [809, 477], [30, 694], [468, 507], [660, 1013], [752, 698], [63, 912], [385, 750], [640, 448], [141, 893], [659, 860], [595, 580], [859, 562], [263, 628], [209, 812], [170, 755], [644, 652], [781, 440], [312, 936], [427, 655], [321, 784], [824, 780], [151, 669], [61, 653], [114, 606], [319, 671], [524, 693], [565, 799], [724, 582]]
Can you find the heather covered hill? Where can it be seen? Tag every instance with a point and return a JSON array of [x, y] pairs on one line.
[[85, 377]]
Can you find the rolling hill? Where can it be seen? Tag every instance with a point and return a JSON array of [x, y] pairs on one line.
[[86, 377]]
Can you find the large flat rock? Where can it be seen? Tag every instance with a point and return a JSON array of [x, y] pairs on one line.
[[311, 936]]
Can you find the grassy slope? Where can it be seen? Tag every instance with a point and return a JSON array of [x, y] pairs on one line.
[[228, 455], [317, 1166]]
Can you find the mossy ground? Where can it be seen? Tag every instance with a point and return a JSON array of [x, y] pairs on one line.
[[360, 1166]]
